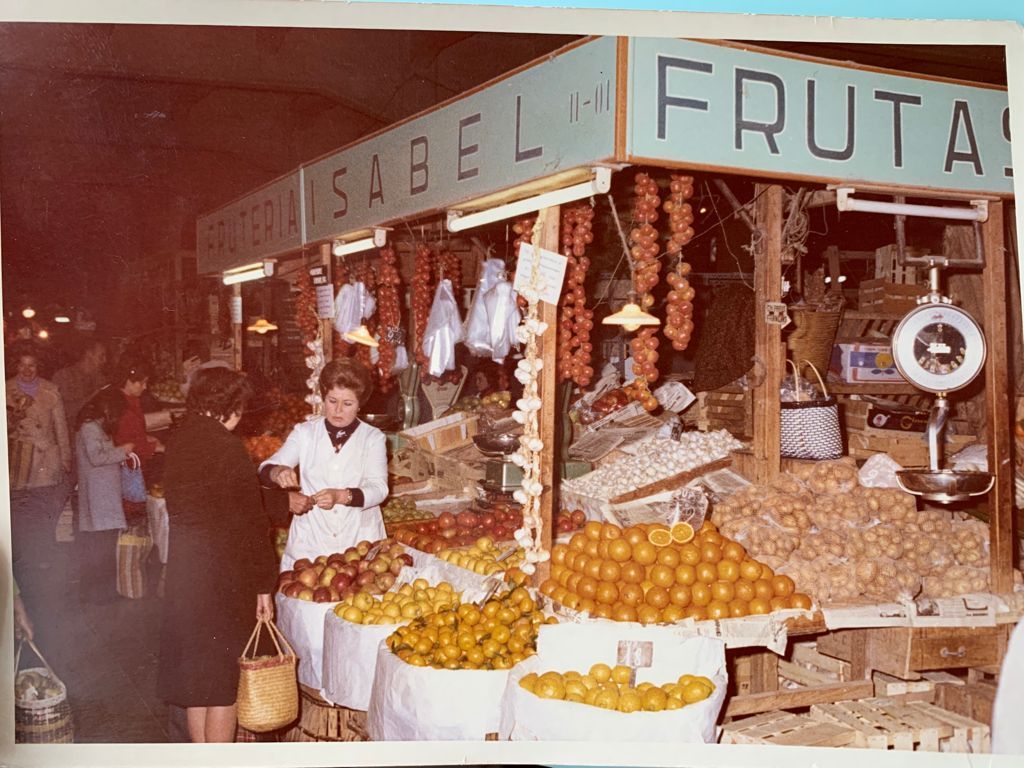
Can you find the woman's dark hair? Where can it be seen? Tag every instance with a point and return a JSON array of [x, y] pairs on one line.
[[218, 392], [130, 370], [105, 407], [346, 373]]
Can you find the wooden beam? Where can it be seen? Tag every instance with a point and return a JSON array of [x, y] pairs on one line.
[[768, 337], [327, 324], [792, 698], [546, 235], [998, 403], [236, 328]]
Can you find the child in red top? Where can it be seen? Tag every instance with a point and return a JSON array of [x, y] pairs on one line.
[[133, 379]]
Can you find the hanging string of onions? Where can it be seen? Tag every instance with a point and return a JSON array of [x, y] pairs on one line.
[[679, 315], [422, 296], [389, 313], [576, 321], [644, 251]]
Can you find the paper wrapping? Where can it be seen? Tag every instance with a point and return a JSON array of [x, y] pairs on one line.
[[350, 650], [302, 622], [159, 527], [564, 647], [420, 703]]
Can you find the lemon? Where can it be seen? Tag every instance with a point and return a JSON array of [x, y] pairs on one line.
[[353, 614], [674, 703], [607, 699], [630, 701], [421, 584], [601, 673], [575, 687], [621, 674], [655, 700]]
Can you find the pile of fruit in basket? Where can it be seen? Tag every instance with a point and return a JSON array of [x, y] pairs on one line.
[[168, 391], [409, 601], [498, 635], [402, 509], [654, 574], [262, 447], [35, 685], [331, 578], [569, 520], [609, 688], [462, 529], [485, 557]]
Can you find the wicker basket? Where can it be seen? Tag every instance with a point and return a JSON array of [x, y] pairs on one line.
[[268, 691], [46, 721], [813, 337]]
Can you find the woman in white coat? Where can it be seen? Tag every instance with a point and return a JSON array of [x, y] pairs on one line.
[[340, 463]]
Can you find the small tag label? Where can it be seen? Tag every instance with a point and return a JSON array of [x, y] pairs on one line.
[[775, 313], [635, 653]]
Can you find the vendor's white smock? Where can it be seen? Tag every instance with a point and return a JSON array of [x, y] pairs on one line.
[[362, 462]]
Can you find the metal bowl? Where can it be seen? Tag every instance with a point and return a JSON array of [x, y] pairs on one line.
[[944, 485], [384, 421], [496, 445]]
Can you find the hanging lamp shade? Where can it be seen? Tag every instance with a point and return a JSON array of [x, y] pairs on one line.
[[360, 336], [262, 326], [631, 317]]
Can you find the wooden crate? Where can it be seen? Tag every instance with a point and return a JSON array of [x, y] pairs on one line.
[[787, 729], [882, 295], [444, 434], [909, 449], [797, 687], [973, 700], [729, 408], [884, 723], [887, 265], [319, 721]]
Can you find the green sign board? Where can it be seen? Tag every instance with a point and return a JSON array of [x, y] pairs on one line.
[[717, 106]]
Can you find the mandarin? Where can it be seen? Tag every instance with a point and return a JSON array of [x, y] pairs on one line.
[[631, 594], [745, 590], [592, 530], [632, 573], [619, 550], [679, 594], [672, 613], [645, 553], [723, 591], [663, 576], [648, 614], [689, 553], [759, 606], [697, 612], [728, 570], [800, 600], [609, 532], [685, 574], [700, 594], [707, 573], [610, 570], [750, 570], [763, 589], [657, 597], [733, 550], [783, 586], [718, 609], [623, 612], [607, 593], [634, 535], [738, 608], [668, 556], [710, 552]]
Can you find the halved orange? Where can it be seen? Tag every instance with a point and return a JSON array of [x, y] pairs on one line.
[[659, 537], [681, 533]]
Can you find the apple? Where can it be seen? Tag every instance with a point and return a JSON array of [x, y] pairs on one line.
[[335, 594], [293, 589], [308, 577], [579, 517], [379, 564], [340, 581], [396, 565], [449, 533], [434, 547], [326, 575], [305, 594], [351, 556], [487, 519], [302, 564], [285, 577], [320, 560], [363, 547], [385, 581], [349, 591], [373, 588], [446, 520], [500, 532], [335, 562], [350, 570], [365, 578], [406, 558], [467, 519], [321, 595]]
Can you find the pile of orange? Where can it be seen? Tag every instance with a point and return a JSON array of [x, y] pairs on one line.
[[610, 688], [624, 575], [497, 635]]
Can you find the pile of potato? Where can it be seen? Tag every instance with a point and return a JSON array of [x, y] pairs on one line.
[[848, 543]]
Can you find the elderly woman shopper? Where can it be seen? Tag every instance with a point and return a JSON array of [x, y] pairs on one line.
[[220, 567], [342, 465], [39, 455], [100, 509]]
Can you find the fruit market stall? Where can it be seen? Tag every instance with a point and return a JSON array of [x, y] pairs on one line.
[[565, 548]]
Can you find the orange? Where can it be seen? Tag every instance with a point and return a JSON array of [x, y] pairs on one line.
[[619, 550], [732, 550], [679, 594], [570, 559], [592, 548], [738, 608], [672, 613], [603, 611], [710, 553], [728, 570], [632, 573], [800, 600], [707, 573], [558, 554], [745, 590], [668, 556], [607, 593], [610, 570], [758, 606], [646, 584], [697, 613], [700, 594], [718, 609], [592, 530], [610, 531], [563, 577], [723, 590], [572, 601], [783, 586], [689, 553], [588, 605], [593, 568], [750, 570], [645, 553], [559, 594], [711, 537], [548, 587], [657, 597], [647, 614], [557, 570], [578, 541], [682, 533], [763, 589], [573, 581], [779, 603], [766, 572], [633, 535], [659, 536], [708, 526], [663, 576], [631, 594], [587, 588], [685, 574], [602, 549], [581, 563], [623, 612]]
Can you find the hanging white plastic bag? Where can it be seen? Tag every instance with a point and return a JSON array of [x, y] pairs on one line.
[[401, 359], [478, 335], [503, 317], [444, 330], [353, 303]]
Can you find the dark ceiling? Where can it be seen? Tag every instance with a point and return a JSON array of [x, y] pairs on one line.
[[114, 137]]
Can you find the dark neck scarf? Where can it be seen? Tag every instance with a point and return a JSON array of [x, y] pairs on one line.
[[340, 435]]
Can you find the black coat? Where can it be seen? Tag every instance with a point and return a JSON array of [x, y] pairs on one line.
[[219, 559]]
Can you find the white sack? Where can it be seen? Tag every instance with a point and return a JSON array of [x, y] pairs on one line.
[[477, 333], [444, 330], [565, 647], [879, 471], [302, 622], [503, 317]]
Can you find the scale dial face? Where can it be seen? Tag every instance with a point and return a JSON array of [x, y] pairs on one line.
[[939, 348]]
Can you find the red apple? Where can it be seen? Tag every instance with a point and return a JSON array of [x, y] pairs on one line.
[[466, 519], [308, 577], [432, 526], [500, 532], [293, 589], [363, 565], [434, 547], [302, 564], [349, 591], [446, 520], [349, 570], [335, 594], [379, 564], [579, 517], [365, 578], [385, 581], [340, 581], [487, 519], [321, 595], [406, 558], [284, 577], [449, 533]]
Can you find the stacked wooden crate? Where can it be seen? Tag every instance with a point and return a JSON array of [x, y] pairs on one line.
[[730, 408]]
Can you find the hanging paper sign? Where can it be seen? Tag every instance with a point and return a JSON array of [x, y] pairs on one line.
[[325, 301], [552, 272], [236, 310]]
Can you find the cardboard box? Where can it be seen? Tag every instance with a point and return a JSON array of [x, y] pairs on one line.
[[860, 362]]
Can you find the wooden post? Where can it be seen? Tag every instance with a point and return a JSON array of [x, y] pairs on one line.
[[545, 235], [768, 336], [236, 327], [327, 324], [997, 403]]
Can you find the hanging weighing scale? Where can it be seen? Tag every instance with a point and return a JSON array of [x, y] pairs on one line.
[[939, 348]]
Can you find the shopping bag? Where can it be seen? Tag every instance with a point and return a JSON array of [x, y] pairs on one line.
[[133, 484], [810, 428], [133, 548], [19, 456], [42, 714], [268, 691]]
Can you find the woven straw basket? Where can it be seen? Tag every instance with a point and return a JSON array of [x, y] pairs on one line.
[[809, 429], [46, 721], [268, 691], [812, 340]]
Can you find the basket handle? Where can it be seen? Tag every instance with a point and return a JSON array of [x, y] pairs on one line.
[[796, 378], [17, 658], [824, 389], [275, 635]]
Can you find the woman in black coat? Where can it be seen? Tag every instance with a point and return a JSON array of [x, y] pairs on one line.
[[220, 567]]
